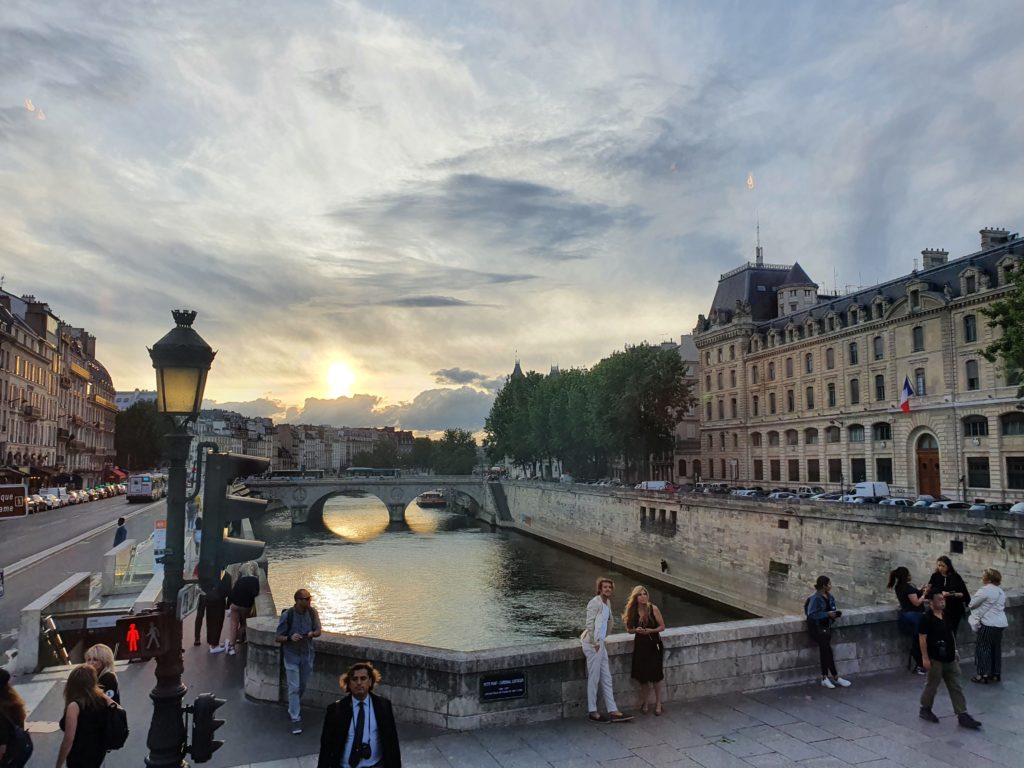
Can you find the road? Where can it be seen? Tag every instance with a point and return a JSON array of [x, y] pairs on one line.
[[88, 528]]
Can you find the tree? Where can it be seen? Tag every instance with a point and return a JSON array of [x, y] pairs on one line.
[[1007, 314], [455, 453], [422, 456], [508, 424], [383, 456], [139, 434]]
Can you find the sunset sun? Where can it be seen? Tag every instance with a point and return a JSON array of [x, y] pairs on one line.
[[340, 379]]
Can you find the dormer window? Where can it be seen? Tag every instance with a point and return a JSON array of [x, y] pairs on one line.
[[915, 299], [970, 284], [1006, 267]]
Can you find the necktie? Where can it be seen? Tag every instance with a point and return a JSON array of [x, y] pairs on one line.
[[354, 756]]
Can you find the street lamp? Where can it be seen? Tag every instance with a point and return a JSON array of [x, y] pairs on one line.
[[181, 359]]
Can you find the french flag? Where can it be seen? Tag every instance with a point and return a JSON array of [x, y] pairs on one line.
[[905, 395]]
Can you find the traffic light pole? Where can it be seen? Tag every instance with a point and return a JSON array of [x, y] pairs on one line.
[[166, 740]]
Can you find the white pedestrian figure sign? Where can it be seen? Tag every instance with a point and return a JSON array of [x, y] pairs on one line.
[[153, 637]]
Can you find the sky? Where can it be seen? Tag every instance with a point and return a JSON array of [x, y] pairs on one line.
[[374, 207]]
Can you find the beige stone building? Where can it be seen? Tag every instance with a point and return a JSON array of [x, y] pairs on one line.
[[799, 388]]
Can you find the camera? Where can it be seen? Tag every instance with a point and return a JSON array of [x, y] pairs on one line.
[[362, 751], [838, 614]]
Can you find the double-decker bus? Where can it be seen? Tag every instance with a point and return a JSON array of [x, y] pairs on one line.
[[372, 472], [146, 487]]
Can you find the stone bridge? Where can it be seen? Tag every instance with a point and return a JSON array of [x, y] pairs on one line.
[[305, 497]]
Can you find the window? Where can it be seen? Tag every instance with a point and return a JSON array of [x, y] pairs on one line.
[[793, 471], [917, 338], [881, 430], [719, 354], [682, 467], [919, 383], [707, 408], [835, 470], [758, 469], [1015, 471], [771, 403], [854, 316], [877, 347], [883, 470], [856, 433], [707, 357], [719, 378], [854, 391], [707, 383], [721, 408], [776, 469], [792, 437], [858, 470], [755, 403], [735, 440], [830, 358], [813, 471], [721, 468], [773, 438], [973, 382], [970, 329], [831, 434], [721, 440], [732, 351], [808, 363], [733, 407], [696, 471], [811, 436], [711, 442], [1012, 423], [854, 356], [789, 367], [879, 387], [915, 299], [771, 371], [732, 377], [753, 374], [755, 439], [975, 426], [977, 472], [809, 396], [831, 389], [970, 286], [831, 323], [790, 401]]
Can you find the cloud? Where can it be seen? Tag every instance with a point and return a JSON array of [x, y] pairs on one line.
[[430, 411], [456, 376], [262, 407], [425, 302]]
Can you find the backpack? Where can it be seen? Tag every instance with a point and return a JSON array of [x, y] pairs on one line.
[[19, 750], [290, 612], [115, 727]]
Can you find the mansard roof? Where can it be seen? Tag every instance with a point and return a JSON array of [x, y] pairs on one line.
[[753, 283], [797, 276]]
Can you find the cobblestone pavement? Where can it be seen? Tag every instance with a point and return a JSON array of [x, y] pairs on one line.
[[872, 724]]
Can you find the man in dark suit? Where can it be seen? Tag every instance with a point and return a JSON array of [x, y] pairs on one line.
[[359, 730]]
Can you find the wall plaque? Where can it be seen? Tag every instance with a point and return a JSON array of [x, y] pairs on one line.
[[504, 685]]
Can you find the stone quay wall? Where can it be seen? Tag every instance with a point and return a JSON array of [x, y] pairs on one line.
[[763, 557], [443, 688]]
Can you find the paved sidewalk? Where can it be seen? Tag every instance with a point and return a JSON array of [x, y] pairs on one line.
[[872, 724]]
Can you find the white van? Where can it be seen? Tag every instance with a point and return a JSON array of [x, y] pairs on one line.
[[656, 485]]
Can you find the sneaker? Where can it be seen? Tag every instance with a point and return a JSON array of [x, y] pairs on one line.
[[842, 682], [216, 649], [920, 671], [231, 650], [826, 683], [927, 714], [296, 727], [966, 721]]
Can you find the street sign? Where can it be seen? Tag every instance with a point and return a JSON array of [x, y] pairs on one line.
[[12, 501], [188, 600], [159, 545], [142, 636]]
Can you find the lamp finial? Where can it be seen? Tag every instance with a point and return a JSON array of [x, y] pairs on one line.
[[183, 317]]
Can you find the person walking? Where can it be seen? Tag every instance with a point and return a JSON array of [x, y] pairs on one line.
[[121, 532], [85, 712], [938, 655], [643, 620], [989, 606], [359, 730], [947, 581], [213, 605], [242, 600], [598, 624], [191, 511], [101, 658], [821, 614], [912, 605], [295, 632], [197, 534], [13, 714]]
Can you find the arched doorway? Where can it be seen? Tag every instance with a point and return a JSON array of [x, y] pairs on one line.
[[929, 481]]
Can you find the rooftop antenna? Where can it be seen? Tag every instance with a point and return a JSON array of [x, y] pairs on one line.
[[759, 254]]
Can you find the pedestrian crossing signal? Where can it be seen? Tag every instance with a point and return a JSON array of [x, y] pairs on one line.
[[142, 636]]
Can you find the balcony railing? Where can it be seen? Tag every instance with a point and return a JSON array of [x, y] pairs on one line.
[[63, 434], [76, 446], [31, 413]]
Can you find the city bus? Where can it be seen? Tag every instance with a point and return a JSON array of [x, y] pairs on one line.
[[146, 487], [291, 474], [371, 472]]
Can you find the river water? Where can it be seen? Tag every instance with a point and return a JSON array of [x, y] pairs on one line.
[[445, 581]]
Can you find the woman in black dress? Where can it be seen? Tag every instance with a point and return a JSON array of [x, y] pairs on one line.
[[101, 658], [912, 605], [85, 713], [643, 620], [947, 581]]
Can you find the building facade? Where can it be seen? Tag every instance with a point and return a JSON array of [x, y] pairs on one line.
[[800, 388]]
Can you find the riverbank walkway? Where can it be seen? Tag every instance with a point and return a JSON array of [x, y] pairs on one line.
[[874, 723]]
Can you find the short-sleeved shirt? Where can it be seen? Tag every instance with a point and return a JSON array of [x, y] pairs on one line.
[[302, 624], [903, 593], [940, 640]]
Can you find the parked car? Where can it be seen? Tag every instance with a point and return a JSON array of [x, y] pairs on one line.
[[949, 505], [744, 492], [53, 501], [826, 496], [782, 495], [1018, 508], [895, 502], [36, 503], [984, 506], [810, 490]]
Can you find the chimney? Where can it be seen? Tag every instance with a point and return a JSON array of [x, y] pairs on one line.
[[933, 257], [759, 256], [993, 236]]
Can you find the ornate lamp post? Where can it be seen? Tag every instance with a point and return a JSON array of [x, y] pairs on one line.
[[181, 359]]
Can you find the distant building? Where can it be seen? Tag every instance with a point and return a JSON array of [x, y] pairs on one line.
[[125, 400]]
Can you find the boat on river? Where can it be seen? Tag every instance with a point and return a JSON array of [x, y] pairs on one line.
[[432, 500]]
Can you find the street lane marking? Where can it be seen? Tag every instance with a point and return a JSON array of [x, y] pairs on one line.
[[34, 692], [33, 559]]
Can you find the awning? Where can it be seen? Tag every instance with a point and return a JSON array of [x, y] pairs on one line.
[[42, 471], [12, 474], [116, 474]]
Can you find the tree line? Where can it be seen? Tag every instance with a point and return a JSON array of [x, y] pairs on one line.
[[626, 407]]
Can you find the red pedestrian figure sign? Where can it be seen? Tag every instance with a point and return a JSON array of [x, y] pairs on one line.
[[142, 635], [132, 638]]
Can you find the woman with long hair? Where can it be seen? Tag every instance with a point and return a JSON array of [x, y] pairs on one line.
[[989, 604], [821, 613], [947, 581], [101, 658], [911, 601], [85, 712], [12, 713], [643, 620]]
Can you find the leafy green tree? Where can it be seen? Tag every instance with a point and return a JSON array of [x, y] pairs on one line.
[[1007, 314], [508, 426], [383, 456], [139, 435], [422, 456], [455, 453]]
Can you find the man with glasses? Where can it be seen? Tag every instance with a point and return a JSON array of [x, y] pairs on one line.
[[295, 632]]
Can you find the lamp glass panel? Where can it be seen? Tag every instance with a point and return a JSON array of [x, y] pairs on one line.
[[179, 389]]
